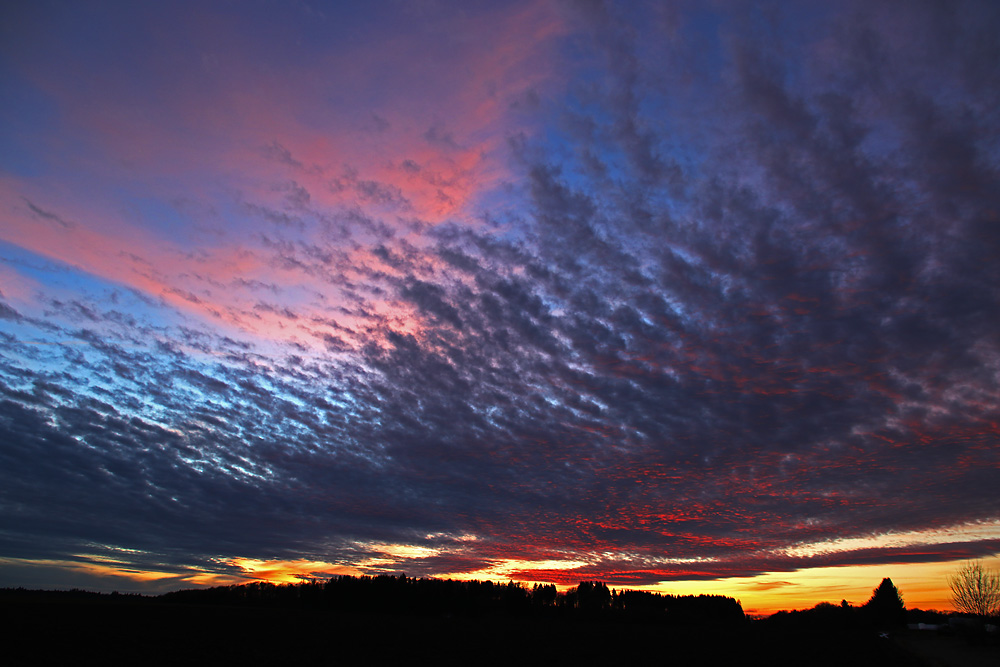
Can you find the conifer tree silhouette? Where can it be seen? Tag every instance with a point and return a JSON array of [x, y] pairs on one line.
[[886, 604]]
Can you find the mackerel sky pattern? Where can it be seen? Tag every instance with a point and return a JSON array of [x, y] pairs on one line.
[[663, 291]]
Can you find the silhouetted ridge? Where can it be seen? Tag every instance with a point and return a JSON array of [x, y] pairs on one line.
[[393, 620], [407, 595]]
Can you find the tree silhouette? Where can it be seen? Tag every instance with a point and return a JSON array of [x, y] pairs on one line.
[[976, 590], [593, 595], [886, 604], [543, 595], [388, 594]]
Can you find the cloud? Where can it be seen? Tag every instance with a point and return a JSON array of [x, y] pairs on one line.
[[45, 215], [8, 313], [691, 324], [277, 152]]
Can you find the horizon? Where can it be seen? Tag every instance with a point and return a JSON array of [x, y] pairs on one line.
[[660, 295], [851, 586]]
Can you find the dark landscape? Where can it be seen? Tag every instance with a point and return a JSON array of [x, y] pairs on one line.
[[386, 619]]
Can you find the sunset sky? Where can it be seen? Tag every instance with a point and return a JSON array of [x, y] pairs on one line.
[[685, 296]]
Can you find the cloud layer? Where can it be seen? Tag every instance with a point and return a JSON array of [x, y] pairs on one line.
[[557, 292]]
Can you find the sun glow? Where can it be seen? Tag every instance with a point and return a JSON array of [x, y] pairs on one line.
[[512, 569], [104, 570], [288, 571], [923, 586]]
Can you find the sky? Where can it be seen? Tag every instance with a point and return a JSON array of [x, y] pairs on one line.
[[681, 296]]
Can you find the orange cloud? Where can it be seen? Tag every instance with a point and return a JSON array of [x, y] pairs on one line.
[[289, 571]]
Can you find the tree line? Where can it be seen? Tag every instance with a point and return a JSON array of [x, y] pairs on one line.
[[402, 594]]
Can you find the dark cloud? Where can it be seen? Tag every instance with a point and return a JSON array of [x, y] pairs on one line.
[[8, 313], [279, 153], [379, 124], [439, 136], [47, 215]]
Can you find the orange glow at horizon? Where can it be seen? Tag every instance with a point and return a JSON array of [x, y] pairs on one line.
[[272, 571], [288, 571], [504, 571], [99, 568], [923, 585]]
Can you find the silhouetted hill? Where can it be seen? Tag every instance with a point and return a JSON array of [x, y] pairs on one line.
[[381, 620]]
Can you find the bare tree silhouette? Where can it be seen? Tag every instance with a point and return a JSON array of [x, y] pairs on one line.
[[976, 590]]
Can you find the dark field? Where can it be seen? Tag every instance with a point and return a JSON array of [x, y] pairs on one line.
[[49, 629]]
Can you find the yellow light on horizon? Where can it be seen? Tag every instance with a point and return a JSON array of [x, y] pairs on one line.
[[288, 571], [504, 570], [923, 586]]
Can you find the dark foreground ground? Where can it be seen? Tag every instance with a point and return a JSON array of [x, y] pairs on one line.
[[59, 631]]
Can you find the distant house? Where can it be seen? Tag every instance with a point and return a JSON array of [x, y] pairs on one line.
[[927, 626]]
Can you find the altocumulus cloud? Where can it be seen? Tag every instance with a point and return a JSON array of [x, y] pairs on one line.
[[724, 289]]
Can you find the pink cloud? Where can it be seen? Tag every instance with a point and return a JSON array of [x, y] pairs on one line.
[[258, 163]]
